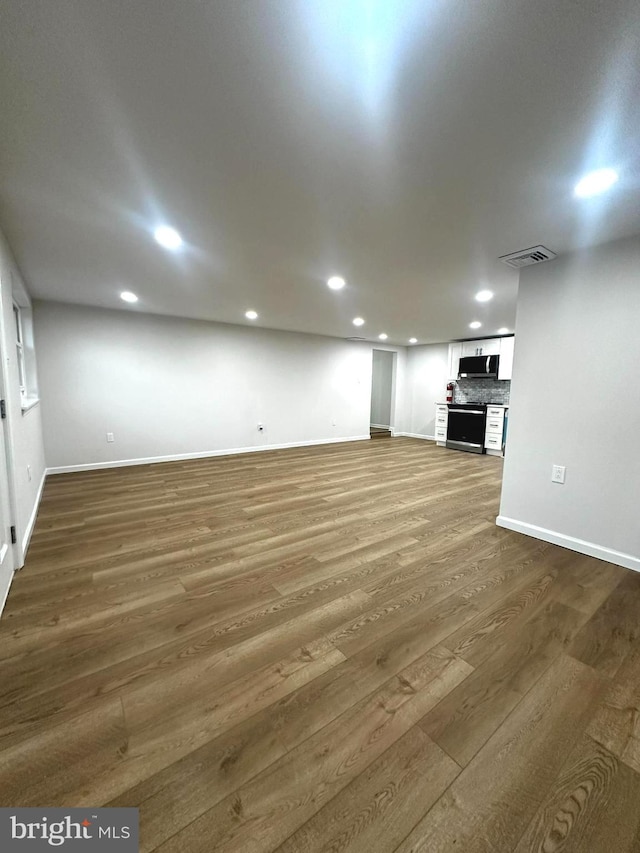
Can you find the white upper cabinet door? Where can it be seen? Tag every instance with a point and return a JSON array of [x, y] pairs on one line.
[[471, 348], [455, 353], [491, 346], [505, 365]]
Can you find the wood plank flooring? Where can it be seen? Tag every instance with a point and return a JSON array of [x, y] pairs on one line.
[[323, 649], [379, 432]]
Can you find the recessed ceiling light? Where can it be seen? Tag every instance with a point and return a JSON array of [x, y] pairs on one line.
[[503, 331], [413, 340], [475, 324], [168, 237], [251, 315], [595, 183], [382, 336], [128, 296], [358, 321], [336, 283], [484, 295]]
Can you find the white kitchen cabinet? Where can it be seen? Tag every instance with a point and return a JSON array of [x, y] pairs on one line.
[[505, 365], [493, 442], [442, 417], [494, 430], [455, 354], [491, 346], [495, 411], [494, 435]]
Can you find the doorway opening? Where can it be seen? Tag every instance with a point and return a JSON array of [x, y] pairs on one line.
[[382, 393]]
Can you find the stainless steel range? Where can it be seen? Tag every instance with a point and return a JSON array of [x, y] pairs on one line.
[[466, 426]]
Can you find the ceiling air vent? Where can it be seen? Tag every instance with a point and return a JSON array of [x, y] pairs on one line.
[[356, 338], [527, 257]]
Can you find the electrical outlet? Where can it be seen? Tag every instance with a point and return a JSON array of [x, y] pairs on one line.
[[557, 473], [110, 436]]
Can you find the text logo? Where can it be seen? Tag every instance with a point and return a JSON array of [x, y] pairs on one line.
[[73, 830]]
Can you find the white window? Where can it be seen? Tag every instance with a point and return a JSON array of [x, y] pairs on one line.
[[22, 373], [25, 354]]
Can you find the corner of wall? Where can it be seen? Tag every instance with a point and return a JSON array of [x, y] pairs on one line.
[[591, 549]]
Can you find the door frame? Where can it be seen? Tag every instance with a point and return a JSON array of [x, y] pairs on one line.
[[7, 464], [394, 384]]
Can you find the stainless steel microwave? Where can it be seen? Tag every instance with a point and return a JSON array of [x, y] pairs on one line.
[[479, 367]]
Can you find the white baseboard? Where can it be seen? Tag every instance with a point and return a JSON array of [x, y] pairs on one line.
[[178, 457], [380, 426], [416, 435], [19, 553], [32, 519], [583, 547]]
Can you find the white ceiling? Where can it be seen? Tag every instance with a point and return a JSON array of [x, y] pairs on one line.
[[404, 145]]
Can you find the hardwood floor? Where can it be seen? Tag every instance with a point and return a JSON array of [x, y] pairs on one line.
[[325, 649], [379, 432]]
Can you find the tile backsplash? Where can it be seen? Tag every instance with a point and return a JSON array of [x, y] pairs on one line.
[[482, 391]]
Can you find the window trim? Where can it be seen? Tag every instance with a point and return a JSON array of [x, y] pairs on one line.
[[22, 368]]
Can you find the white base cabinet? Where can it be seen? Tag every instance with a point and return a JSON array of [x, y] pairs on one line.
[[494, 436], [442, 417]]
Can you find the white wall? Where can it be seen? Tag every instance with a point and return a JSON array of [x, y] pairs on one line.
[[426, 382], [575, 402], [382, 388], [23, 431], [168, 387], [399, 390]]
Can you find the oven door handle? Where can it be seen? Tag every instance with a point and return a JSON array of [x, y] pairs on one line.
[[466, 411]]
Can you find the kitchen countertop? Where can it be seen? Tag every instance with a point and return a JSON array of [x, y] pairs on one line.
[[497, 405]]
